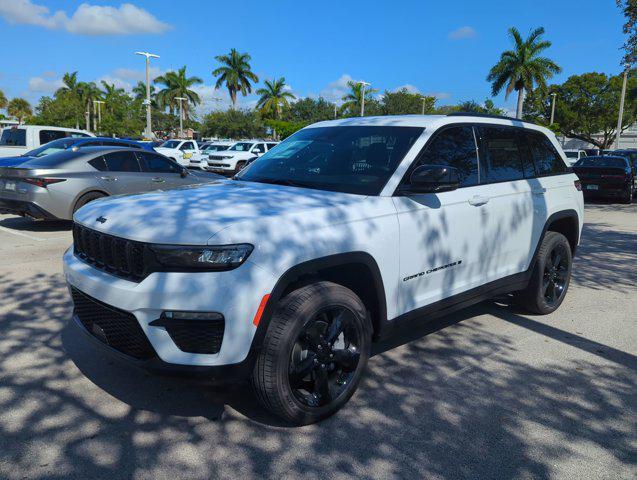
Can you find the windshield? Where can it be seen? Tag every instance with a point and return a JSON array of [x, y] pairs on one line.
[[170, 144], [51, 147], [353, 159], [602, 162], [216, 148], [241, 147], [14, 137]]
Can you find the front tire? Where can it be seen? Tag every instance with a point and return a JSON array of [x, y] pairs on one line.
[[314, 353], [627, 197], [551, 276]]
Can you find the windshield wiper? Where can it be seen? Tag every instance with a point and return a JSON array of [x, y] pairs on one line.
[[282, 181]]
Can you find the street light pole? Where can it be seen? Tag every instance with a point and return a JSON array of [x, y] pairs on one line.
[[363, 85], [181, 115], [621, 107], [149, 131], [97, 103], [553, 107]]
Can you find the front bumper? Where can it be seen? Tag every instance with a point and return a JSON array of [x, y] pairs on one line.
[[236, 294]]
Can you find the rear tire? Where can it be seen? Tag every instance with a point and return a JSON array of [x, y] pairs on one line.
[[314, 353], [551, 276], [627, 197], [86, 198]]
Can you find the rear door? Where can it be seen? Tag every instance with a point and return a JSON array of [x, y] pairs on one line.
[[123, 173], [161, 171], [515, 201]]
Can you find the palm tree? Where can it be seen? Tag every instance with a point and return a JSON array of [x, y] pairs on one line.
[[70, 83], [139, 92], [235, 73], [274, 97], [19, 108], [522, 68], [353, 100], [178, 84], [3, 100]]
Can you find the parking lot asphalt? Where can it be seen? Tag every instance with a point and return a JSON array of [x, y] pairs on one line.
[[489, 392]]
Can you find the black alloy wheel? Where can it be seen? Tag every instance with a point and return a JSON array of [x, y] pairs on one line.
[[324, 357], [555, 276]]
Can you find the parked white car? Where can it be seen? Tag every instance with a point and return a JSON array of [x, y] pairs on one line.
[[179, 150], [345, 232], [238, 156], [572, 156], [200, 160], [19, 139]]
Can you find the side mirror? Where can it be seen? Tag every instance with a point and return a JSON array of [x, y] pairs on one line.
[[433, 179]]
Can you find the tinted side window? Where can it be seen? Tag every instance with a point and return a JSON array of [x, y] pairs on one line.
[[272, 145], [98, 164], [187, 146], [122, 162], [112, 143], [455, 147], [546, 159], [503, 155], [47, 136], [14, 137], [259, 148], [90, 144], [157, 163]]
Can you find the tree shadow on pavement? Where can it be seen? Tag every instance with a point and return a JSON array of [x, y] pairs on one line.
[[454, 401], [27, 225]]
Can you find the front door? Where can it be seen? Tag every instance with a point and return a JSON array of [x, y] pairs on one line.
[[441, 234]]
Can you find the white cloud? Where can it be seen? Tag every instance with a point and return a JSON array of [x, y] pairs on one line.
[[462, 33], [88, 19], [45, 84], [335, 90]]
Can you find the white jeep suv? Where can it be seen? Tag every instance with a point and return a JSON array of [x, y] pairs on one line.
[[288, 273], [232, 160]]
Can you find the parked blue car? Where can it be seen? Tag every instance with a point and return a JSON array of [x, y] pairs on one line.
[[70, 142]]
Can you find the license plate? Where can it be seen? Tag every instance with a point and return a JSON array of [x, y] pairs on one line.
[[9, 186], [592, 187]]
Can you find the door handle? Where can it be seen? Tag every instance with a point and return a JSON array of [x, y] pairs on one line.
[[108, 179], [158, 179], [538, 191], [478, 200]]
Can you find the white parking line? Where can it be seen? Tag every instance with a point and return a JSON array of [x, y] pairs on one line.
[[20, 234]]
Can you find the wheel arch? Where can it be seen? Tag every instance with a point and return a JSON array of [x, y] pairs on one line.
[[357, 271], [565, 222], [86, 192]]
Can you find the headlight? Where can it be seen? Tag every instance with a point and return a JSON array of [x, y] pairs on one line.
[[208, 257]]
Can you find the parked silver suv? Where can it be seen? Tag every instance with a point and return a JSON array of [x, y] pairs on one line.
[[53, 187]]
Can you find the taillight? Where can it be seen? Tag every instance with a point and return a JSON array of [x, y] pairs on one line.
[[43, 182], [578, 185]]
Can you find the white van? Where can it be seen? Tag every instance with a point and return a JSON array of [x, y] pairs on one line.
[[19, 139]]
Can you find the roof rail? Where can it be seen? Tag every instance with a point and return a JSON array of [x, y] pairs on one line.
[[485, 115]]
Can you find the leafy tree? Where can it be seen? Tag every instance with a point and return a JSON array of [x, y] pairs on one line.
[[71, 90], [236, 73], [284, 129], [178, 84], [3, 100], [19, 108], [88, 92], [274, 98], [139, 92], [403, 102], [354, 98], [629, 9], [522, 68], [233, 123], [587, 107], [309, 110]]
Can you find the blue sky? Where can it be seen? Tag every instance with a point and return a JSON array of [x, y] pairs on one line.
[[442, 48]]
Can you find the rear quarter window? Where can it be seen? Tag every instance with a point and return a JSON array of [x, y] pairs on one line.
[[546, 159], [14, 137], [47, 136]]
